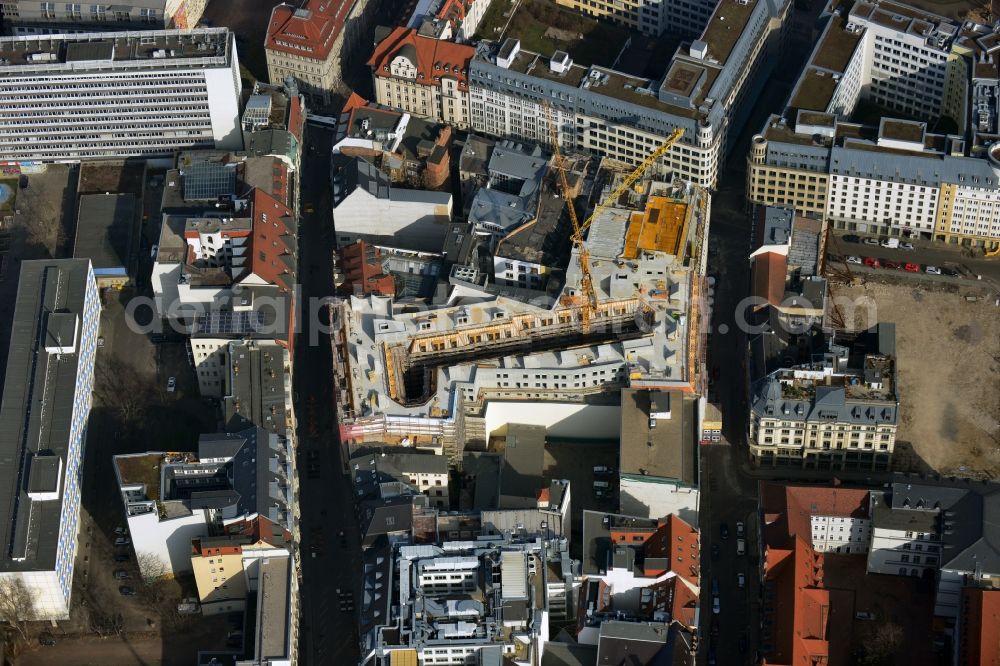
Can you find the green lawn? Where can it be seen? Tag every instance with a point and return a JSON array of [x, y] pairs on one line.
[[599, 45]]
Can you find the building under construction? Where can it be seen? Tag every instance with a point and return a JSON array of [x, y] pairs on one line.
[[429, 375]]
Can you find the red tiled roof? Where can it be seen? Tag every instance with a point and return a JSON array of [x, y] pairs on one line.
[[768, 277], [270, 218], [310, 32], [678, 543], [979, 628], [787, 509], [800, 606], [431, 55], [297, 117]]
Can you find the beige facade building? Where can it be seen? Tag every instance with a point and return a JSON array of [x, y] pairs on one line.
[[311, 43], [34, 17], [830, 415], [424, 76]]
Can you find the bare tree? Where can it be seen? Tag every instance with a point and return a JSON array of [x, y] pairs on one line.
[[121, 388], [152, 568], [884, 640], [17, 606]]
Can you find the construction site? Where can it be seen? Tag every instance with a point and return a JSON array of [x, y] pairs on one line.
[[628, 314]]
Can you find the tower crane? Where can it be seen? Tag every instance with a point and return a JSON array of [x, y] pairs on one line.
[[586, 281]]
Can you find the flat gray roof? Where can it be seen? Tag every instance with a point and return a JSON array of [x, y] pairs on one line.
[[104, 231], [669, 449], [273, 607], [36, 415]]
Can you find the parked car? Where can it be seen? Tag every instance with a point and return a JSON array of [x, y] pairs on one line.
[[121, 531], [724, 530], [741, 580], [911, 268], [122, 541], [932, 270], [870, 241], [872, 262], [153, 252], [950, 272], [46, 639], [892, 243], [906, 246], [126, 591], [716, 608], [852, 238], [121, 574], [740, 529], [741, 547], [171, 385], [864, 615], [893, 265], [853, 259]]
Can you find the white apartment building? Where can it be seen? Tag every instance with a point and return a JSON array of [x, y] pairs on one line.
[[921, 178], [43, 429], [706, 91], [840, 534], [163, 91], [414, 610], [41, 17], [367, 207]]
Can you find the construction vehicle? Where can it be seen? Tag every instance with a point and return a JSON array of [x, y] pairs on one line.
[[586, 281]]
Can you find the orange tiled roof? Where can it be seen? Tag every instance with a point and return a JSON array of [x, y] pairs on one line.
[[432, 57], [979, 638], [800, 608], [768, 277], [270, 218], [787, 509], [310, 32]]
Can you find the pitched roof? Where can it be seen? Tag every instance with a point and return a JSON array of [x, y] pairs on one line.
[[309, 32], [434, 59], [787, 509], [273, 245], [979, 627], [800, 606], [769, 277]]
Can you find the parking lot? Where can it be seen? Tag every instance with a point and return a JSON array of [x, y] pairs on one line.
[[575, 460], [915, 261]]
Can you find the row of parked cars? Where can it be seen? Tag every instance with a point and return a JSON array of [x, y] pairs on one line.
[[910, 267], [892, 243]]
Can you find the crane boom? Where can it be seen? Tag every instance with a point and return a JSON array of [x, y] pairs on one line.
[[586, 281], [627, 182]]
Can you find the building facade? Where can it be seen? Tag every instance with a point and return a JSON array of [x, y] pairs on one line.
[[930, 168], [37, 17], [46, 404], [829, 414], [310, 44], [682, 17], [164, 91], [424, 76]]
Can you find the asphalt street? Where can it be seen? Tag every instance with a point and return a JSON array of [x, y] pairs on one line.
[[329, 562]]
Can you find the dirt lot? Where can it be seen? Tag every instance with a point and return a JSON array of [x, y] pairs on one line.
[[948, 353], [123, 177], [896, 601]]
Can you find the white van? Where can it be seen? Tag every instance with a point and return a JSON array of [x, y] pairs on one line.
[[601, 484], [741, 547]]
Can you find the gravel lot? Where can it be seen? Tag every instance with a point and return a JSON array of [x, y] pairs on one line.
[[948, 372]]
